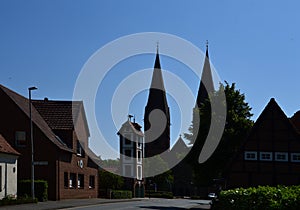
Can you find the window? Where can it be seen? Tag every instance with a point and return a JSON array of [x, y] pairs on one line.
[[295, 157], [66, 179], [139, 173], [281, 156], [128, 170], [20, 138], [250, 155], [80, 150], [80, 181], [128, 154], [139, 156], [92, 182], [72, 180], [266, 156], [127, 139]]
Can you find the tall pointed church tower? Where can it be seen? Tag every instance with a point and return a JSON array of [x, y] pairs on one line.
[[206, 83], [157, 132], [206, 87]]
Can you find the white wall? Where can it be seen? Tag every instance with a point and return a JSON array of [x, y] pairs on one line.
[[8, 175]]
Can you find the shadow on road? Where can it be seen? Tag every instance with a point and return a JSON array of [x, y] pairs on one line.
[[172, 207]]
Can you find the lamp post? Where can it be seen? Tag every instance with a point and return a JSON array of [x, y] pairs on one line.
[[31, 140]]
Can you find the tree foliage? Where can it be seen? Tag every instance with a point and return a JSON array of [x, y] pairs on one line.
[[156, 165], [238, 124], [109, 180]]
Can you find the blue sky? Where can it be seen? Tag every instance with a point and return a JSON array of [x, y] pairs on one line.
[[255, 44]]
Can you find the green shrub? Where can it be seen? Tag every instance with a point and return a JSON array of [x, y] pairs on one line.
[[121, 194], [40, 189], [160, 194], [20, 200], [262, 197]]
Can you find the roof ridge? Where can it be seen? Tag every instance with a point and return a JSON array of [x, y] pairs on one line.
[[37, 119]]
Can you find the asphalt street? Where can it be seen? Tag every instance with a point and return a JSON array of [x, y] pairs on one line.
[[163, 204], [91, 204]]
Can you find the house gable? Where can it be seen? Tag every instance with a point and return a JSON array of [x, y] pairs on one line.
[[266, 155]]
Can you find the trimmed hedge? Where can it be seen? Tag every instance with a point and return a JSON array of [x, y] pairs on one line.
[[121, 194], [262, 197], [40, 189], [160, 194], [12, 201]]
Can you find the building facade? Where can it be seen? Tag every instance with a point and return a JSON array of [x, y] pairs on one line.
[[61, 154], [131, 157], [270, 154]]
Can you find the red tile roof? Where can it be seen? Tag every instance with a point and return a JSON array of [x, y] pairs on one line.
[[23, 104], [6, 148], [58, 114]]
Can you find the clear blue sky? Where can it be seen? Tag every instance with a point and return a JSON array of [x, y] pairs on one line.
[[255, 44]]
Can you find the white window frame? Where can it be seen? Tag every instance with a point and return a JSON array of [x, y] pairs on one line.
[[265, 153], [139, 142], [250, 153], [139, 176], [281, 153], [139, 159], [293, 155]]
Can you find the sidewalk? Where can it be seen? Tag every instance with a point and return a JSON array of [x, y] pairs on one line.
[[65, 204]]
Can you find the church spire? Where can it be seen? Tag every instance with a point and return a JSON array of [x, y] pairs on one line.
[[157, 80], [157, 100], [206, 83]]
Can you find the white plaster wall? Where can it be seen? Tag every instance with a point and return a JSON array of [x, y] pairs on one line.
[[8, 182]]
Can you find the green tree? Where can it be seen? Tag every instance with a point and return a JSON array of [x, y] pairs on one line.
[[237, 126], [109, 180], [156, 165]]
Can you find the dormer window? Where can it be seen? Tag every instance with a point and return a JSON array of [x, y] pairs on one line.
[[80, 150]]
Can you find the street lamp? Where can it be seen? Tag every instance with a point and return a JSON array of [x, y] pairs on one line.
[[31, 140]]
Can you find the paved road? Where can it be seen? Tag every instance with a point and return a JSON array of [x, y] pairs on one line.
[[130, 204], [161, 204]]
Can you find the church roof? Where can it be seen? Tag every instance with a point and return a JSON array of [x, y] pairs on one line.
[[206, 83], [180, 146], [157, 94]]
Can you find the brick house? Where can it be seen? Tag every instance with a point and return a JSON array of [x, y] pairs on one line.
[[62, 155], [270, 154]]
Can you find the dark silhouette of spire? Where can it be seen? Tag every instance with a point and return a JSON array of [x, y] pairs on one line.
[[206, 83], [157, 133]]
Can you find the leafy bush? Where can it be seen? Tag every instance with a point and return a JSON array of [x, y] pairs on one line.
[[262, 197], [121, 194], [160, 194], [20, 200], [40, 189]]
